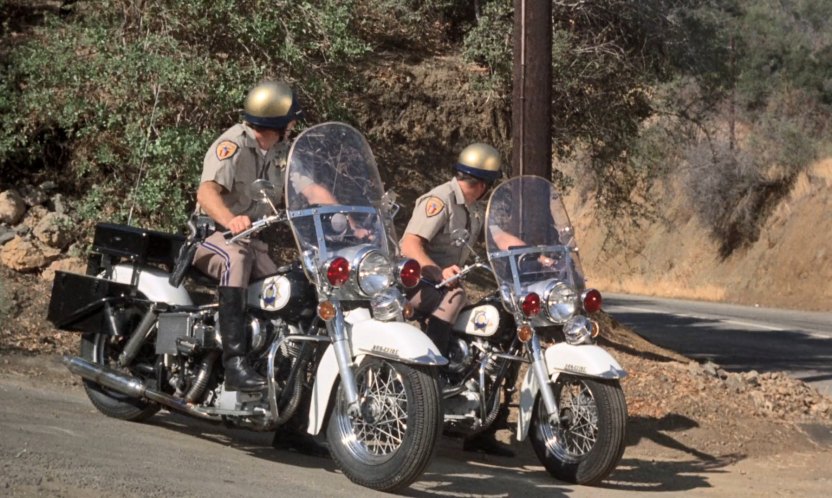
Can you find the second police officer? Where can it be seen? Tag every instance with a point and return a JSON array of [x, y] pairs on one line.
[[453, 205]]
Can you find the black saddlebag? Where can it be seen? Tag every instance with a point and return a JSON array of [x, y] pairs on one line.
[[138, 245], [81, 303]]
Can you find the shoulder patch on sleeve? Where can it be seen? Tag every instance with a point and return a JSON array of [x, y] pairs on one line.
[[226, 149], [433, 206]]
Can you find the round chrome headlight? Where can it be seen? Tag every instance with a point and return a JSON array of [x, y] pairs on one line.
[[561, 302], [375, 273]]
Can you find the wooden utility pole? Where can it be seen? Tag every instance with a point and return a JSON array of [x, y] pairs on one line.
[[531, 105]]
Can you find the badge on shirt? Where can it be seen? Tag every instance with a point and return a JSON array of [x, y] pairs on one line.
[[226, 149], [434, 206]]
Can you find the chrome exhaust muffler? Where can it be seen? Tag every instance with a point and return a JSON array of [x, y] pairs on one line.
[[131, 386]]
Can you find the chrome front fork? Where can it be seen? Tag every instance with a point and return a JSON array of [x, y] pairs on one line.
[[343, 355], [541, 374]]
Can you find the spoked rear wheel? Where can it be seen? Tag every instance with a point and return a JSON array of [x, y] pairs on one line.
[[103, 349], [389, 444], [588, 440]]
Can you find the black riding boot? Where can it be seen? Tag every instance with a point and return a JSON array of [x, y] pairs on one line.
[[439, 331], [486, 441], [239, 376]]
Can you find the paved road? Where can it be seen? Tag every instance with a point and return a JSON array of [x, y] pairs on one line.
[[735, 337], [53, 443]]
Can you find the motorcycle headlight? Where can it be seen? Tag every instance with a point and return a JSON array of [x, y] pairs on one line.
[[387, 305], [578, 330], [561, 302], [375, 273]]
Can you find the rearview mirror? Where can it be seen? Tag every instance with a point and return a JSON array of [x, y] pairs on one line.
[[459, 237], [264, 191]]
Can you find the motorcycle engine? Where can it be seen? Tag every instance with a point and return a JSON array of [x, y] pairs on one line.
[[460, 356], [186, 332], [464, 396]]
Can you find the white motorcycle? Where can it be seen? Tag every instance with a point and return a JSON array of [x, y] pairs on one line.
[[572, 406], [327, 333]]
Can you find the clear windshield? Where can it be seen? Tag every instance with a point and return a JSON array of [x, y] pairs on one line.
[[334, 194], [529, 237]]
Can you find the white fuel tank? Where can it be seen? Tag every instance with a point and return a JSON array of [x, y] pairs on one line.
[[482, 320]]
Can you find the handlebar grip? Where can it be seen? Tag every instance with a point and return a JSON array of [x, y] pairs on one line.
[[448, 281], [255, 227]]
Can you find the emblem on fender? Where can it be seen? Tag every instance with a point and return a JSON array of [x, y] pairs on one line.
[[385, 350], [574, 368]]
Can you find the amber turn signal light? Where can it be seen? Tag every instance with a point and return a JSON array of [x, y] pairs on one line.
[[326, 311], [407, 311], [524, 333]]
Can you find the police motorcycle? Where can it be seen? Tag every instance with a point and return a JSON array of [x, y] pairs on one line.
[[327, 332], [571, 404]]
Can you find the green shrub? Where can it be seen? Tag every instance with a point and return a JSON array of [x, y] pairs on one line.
[[120, 101], [489, 43], [783, 45]]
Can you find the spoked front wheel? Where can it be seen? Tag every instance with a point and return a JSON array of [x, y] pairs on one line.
[[390, 442], [587, 441]]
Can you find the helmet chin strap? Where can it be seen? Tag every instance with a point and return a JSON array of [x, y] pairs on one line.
[[265, 142], [484, 191]]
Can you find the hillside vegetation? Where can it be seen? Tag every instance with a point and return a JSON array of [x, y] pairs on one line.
[[710, 108]]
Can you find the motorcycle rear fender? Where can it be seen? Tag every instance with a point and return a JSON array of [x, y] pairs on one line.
[[391, 340], [583, 360], [153, 283]]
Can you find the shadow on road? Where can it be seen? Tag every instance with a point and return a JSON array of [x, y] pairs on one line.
[[457, 473], [651, 475], [257, 444]]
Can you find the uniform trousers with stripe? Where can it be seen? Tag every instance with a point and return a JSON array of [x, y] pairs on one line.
[[445, 304], [234, 265]]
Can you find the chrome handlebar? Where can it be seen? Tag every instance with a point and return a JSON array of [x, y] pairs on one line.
[[254, 228], [465, 270]]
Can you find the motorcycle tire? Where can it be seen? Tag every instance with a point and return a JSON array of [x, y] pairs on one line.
[[589, 440], [393, 440], [103, 349]]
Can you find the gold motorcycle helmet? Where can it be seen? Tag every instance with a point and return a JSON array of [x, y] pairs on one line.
[[481, 161], [271, 104]]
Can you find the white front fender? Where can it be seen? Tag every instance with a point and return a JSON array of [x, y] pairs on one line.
[[395, 340], [562, 358], [392, 340], [586, 360]]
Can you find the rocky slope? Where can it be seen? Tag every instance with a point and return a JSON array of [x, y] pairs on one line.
[[789, 266]]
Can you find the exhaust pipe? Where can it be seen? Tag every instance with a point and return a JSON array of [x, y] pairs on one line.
[[131, 386]]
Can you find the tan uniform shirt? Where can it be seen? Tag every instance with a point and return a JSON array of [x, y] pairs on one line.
[[437, 214], [234, 161]]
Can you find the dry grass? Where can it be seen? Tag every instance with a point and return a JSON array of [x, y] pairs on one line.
[[671, 288], [789, 265]]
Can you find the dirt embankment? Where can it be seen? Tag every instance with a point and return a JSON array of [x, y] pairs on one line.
[[418, 114], [789, 266]]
